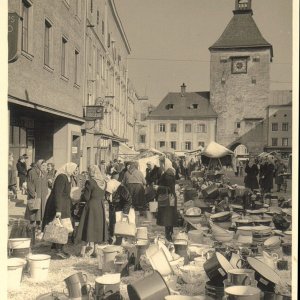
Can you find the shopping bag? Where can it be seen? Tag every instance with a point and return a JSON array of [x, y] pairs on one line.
[[54, 232], [34, 203], [124, 228], [131, 216], [66, 222], [153, 205]]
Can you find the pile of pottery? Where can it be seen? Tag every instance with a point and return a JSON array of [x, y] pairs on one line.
[[222, 219], [220, 234]]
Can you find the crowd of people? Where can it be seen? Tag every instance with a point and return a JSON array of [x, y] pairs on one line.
[[119, 186]]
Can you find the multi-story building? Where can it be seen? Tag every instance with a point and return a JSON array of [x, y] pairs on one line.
[[69, 94], [278, 122], [107, 86], [182, 121], [46, 82]]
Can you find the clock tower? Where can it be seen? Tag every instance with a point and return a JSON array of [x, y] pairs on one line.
[[239, 76]]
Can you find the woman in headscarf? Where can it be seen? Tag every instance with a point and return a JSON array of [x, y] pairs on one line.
[[119, 199], [37, 188], [135, 182], [92, 227], [167, 213], [12, 178], [59, 201]]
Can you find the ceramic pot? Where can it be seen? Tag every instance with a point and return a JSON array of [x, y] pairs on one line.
[[241, 276], [242, 293]]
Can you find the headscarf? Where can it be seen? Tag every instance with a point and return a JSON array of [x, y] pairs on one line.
[[38, 166], [68, 169], [167, 165], [150, 163], [112, 186], [96, 174]]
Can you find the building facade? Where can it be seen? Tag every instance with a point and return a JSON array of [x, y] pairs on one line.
[[182, 122], [45, 89], [69, 97], [107, 86]]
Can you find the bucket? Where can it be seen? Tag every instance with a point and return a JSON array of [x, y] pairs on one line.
[[274, 202], [152, 287], [20, 253], [39, 266], [109, 254], [142, 233], [14, 272], [181, 249], [77, 286], [106, 286], [19, 243]]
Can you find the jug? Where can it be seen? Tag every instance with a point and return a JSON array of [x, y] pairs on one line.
[[77, 286]]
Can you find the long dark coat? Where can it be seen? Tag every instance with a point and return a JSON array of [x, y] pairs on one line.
[[22, 172], [37, 186], [250, 180], [59, 200], [167, 216], [268, 173], [92, 226], [153, 175]]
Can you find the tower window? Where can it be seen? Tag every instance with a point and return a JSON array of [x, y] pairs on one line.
[[238, 125], [253, 79], [169, 106]]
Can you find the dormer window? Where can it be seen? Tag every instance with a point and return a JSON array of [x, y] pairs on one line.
[[194, 106], [169, 106]]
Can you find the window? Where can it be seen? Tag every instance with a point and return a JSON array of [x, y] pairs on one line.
[[194, 106], [274, 142], [173, 127], [76, 64], [64, 57], [102, 27], [201, 128], [47, 43], [162, 127], [274, 126], [98, 17], [162, 144], [173, 145], [188, 146], [202, 144], [169, 106], [25, 25], [108, 40], [143, 138], [91, 6], [188, 128], [238, 124], [285, 142], [285, 126]]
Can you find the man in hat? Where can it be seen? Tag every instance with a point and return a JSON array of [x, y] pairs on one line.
[[22, 171]]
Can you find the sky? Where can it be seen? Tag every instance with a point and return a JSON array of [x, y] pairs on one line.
[[170, 40]]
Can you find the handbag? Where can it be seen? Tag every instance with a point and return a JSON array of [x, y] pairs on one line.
[[34, 203], [124, 228], [54, 232], [66, 222]]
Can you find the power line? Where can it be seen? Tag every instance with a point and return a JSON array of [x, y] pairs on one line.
[[187, 60]]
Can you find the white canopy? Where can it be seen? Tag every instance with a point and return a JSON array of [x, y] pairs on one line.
[[143, 162], [124, 150], [215, 150]]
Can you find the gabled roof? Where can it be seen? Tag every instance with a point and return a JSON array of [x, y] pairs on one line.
[[182, 107], [241, 32]]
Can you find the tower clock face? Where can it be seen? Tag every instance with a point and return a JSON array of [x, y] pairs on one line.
[[239, 65]]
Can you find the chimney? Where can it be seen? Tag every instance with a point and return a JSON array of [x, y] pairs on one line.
[[183, 88]]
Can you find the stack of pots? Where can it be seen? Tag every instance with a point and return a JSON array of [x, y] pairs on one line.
[[107, 287], [216, 269], [14, 272]]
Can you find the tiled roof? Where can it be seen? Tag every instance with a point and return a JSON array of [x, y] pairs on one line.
[[241, 32], [182, 107]]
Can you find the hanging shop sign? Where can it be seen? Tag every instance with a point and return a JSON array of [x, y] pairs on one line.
[[94, 112], [14, 36]]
